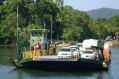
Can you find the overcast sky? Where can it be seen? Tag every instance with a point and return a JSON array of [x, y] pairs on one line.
[[86, 5]]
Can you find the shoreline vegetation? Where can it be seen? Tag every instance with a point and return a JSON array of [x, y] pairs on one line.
[[7, 45], [115, 43], [61, 22]]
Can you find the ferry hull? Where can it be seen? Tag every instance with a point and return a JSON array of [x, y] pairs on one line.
[[64, 65]]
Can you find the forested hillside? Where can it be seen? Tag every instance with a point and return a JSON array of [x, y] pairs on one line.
[[103, 13], [69, 24]]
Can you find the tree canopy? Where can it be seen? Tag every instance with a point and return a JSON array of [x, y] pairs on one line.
[[68, 24]]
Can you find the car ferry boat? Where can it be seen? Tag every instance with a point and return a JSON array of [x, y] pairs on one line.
[[38, 53]]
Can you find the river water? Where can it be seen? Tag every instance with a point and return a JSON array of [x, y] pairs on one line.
[[8, 71]]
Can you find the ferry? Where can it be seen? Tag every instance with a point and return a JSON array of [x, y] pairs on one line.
[[39, 53]]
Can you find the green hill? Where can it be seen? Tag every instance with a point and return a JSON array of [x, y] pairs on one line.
[[103, 13]]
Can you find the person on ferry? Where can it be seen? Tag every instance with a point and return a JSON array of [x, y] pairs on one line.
[[38, 45], [37, 48]]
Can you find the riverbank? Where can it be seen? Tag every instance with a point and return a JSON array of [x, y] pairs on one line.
[[115, 43]]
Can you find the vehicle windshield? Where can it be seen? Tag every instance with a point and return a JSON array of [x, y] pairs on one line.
[[74, 47], [68, 50], [88, 52]]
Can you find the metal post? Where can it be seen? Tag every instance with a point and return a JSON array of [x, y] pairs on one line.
[[17, 32], [51, 28], [17, 27], [43, 21]]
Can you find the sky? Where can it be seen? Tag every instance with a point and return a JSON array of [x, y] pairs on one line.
[[86, 5]]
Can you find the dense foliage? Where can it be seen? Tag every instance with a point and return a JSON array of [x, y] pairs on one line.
[[69, 24]]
